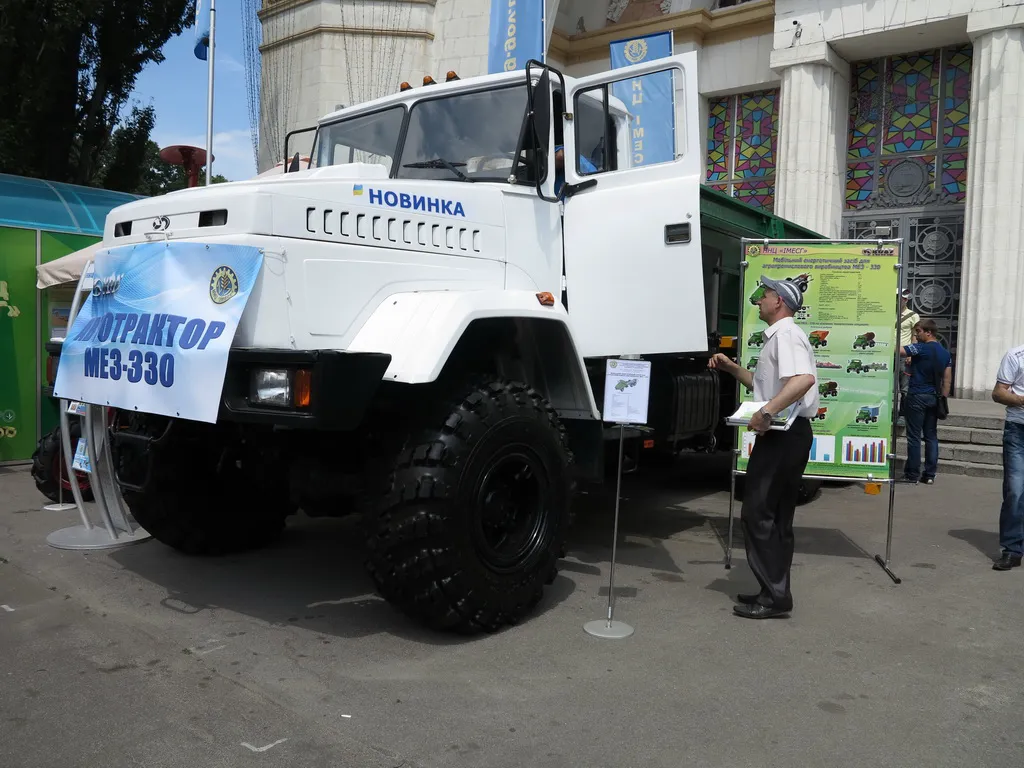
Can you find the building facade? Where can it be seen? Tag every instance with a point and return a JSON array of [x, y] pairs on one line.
[[850, 117]]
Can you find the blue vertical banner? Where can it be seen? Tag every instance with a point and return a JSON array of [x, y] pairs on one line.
[[516, 34], [650, 98], [202, 29]]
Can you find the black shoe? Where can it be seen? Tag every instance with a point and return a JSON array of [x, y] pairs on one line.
[[758, 611], [928, 480], [1006, 562], [749, 599]]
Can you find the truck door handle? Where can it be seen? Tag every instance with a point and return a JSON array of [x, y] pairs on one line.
[[677, 233]]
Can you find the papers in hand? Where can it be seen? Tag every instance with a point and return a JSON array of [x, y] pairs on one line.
[[780, 421]]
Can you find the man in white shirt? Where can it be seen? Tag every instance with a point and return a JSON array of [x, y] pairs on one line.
[[785, 375], [1009, 391]]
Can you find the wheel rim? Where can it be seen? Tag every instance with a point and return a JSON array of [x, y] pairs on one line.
[[511, 512]]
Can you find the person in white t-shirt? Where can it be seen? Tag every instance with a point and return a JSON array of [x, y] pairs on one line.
[[785, 375], [1009, 391]]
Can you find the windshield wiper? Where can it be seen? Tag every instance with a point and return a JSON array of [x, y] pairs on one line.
[[440, 162]]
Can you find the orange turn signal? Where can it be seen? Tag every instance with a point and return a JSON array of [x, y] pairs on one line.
[[546, 299], [404, 87], [451, 76], [302, 389], [428, 80]]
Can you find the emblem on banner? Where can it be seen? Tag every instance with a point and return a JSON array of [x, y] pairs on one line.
[[636, 51], [223, 285], [753, 250]]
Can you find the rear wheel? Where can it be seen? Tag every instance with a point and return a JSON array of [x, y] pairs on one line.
[[49, 469], [475, 509]]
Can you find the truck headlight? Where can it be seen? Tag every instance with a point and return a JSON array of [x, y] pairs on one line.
[[272, 387]]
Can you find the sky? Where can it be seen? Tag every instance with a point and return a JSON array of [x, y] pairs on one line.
[[177, 90]]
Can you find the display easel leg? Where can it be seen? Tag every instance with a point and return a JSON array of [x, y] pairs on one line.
[[608, 628], [888, 537], [732, 518]]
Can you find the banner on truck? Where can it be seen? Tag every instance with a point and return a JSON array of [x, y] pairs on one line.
[[154, 334], [516, 34], [850, 317], [650, 98]]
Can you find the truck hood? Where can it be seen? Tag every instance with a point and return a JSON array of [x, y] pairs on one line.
[[355, 203]]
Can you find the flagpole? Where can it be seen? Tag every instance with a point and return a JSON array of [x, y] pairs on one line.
[[209, 95]]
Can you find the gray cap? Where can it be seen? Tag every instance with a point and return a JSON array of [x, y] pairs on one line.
[[788, 291]]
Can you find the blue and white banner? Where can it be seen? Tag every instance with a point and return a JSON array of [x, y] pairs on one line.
[[154, 334], [202, 29], [650, 99], [517, 34]]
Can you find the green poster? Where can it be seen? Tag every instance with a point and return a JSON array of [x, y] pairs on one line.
[[850, 317], [17, 344]]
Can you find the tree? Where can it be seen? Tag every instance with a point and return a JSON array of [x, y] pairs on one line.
[[68, 68]]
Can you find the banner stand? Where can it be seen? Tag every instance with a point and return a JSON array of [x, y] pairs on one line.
[[869, 479], [609, 629], [627, 387], [116, 530]]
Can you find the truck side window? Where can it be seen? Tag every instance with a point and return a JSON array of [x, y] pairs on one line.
[[626, 123], [594, 135]]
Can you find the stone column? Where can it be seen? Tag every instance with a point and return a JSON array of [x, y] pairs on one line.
[[813, 114], [992, 285]]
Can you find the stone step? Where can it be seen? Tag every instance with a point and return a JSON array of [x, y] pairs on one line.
[[960, 468], [964, 435], [973, 454], [972, 421]]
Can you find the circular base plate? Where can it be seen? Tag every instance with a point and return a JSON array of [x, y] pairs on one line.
[[80, 537], [59, 507], [609, 630]]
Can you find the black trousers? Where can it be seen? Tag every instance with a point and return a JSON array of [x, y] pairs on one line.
[[770, 493]]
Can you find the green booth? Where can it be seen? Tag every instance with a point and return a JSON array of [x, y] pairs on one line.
[[40, 221]]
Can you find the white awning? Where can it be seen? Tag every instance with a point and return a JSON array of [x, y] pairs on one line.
[[66, 269]]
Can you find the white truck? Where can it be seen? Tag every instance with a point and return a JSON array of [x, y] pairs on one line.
[[427, 346]]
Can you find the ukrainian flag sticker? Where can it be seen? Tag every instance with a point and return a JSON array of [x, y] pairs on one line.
[[357, 189]]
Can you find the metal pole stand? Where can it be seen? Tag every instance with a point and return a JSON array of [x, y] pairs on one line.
[[610, 629]]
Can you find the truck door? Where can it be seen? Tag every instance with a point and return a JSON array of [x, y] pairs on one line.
[[633, 262]]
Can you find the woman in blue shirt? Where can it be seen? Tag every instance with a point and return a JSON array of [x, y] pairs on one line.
[[931, 374]]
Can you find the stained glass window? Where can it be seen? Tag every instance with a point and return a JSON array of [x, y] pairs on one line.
[[911, 106], [742, 146]]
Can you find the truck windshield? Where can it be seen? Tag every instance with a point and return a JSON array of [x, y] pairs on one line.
[[462, 137], [477, 133], [366, 139]]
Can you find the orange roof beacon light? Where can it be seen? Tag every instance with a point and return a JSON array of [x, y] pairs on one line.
[[428, 80], [404, 87], [452, 76]]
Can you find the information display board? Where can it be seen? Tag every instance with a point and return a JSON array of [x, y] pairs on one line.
[[850, 315]]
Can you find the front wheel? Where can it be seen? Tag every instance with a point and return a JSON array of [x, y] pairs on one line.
[[208, 493], [475, 510]]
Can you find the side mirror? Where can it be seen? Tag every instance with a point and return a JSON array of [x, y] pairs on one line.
[[539, 108]]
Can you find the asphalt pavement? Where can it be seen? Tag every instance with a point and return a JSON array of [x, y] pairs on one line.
[[284, 657]]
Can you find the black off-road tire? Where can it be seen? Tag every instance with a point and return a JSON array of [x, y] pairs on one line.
[[452, 475], [201, 502], [48, 466]]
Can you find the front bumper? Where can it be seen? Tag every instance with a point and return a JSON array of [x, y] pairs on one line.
[[343, 385]]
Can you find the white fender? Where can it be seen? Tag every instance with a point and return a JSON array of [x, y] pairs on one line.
[[420, 329]]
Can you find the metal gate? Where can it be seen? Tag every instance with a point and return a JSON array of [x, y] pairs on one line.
[[933, 258]]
